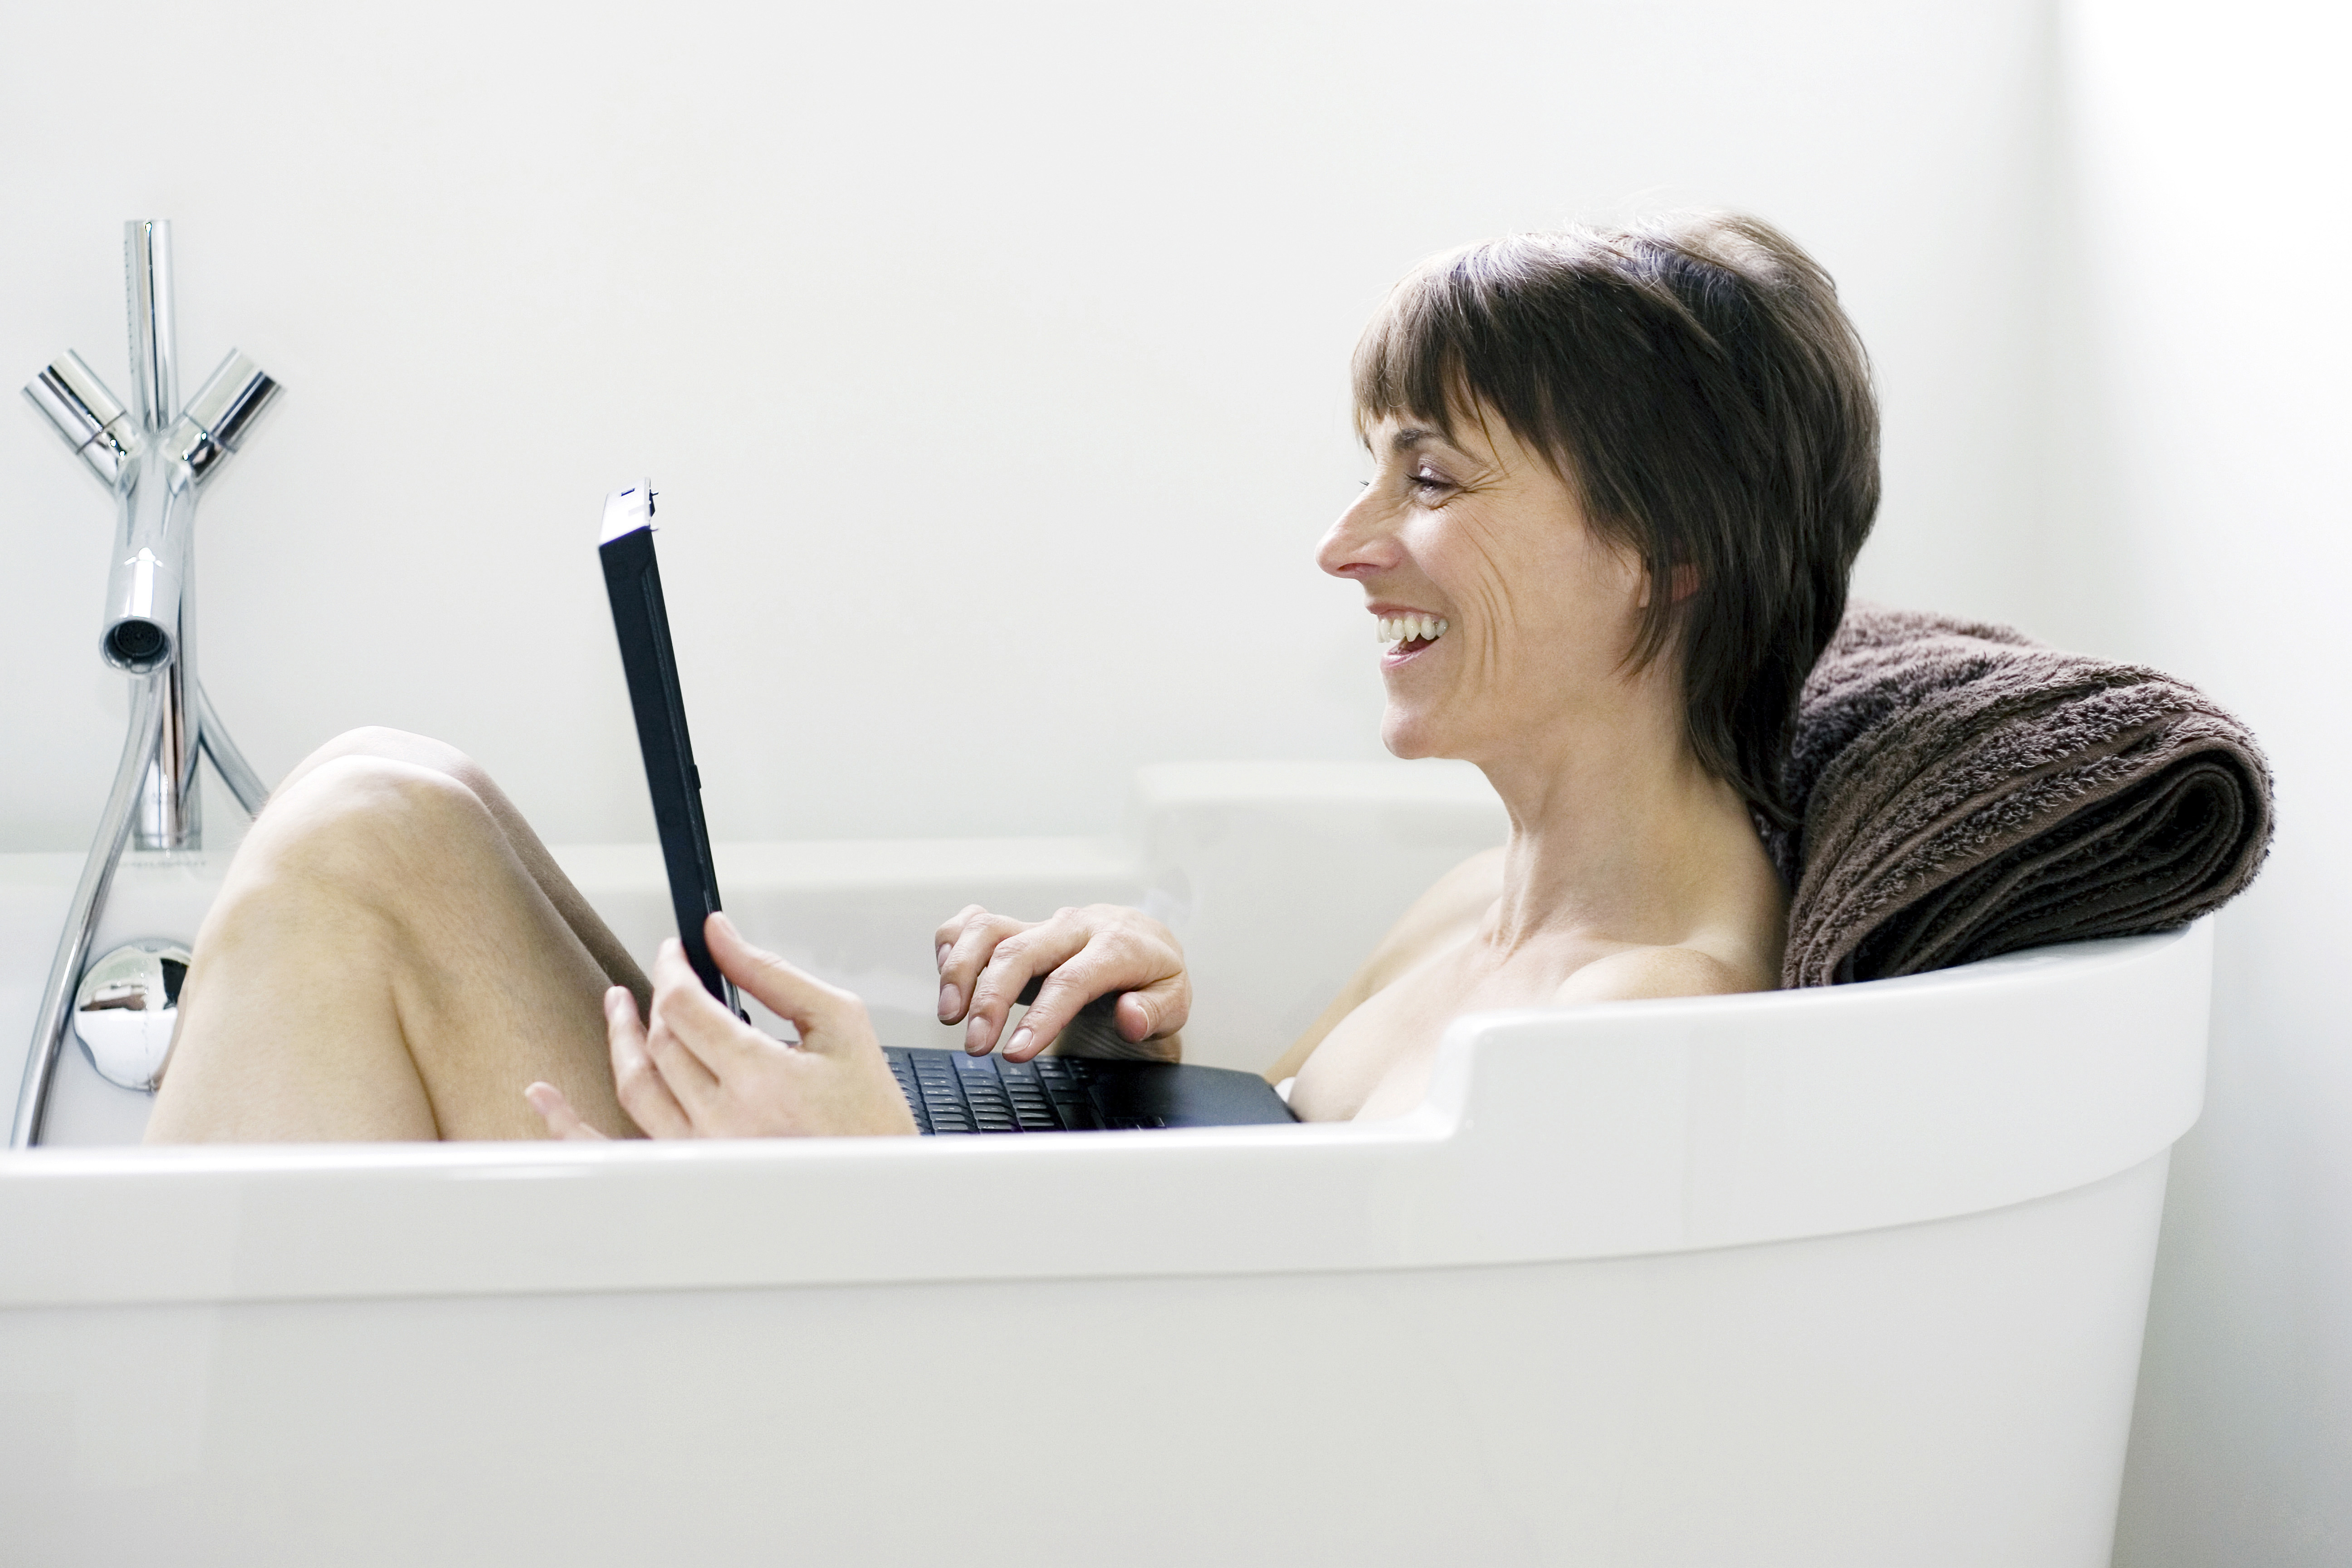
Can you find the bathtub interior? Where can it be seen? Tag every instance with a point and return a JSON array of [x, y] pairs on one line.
[[1278, 876]]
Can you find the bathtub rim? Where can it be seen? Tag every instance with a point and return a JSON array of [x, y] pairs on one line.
[[1694, 1156]]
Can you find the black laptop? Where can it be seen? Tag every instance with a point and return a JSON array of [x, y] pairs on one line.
[[950, 1091]]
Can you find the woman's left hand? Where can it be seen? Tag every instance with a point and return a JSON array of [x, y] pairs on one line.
[[698, 1072]]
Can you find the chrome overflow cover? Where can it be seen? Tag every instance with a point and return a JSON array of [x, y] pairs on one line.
[[127, 1005]]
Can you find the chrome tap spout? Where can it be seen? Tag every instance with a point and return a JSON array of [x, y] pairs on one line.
[[150, 546]]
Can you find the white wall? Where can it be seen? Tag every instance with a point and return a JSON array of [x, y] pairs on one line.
[[991, 359], [2202, 517]]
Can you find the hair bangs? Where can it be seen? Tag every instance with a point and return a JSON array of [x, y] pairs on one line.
[[1413, 359]]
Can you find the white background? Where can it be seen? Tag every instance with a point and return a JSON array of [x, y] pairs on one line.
[[2201, 516], [991, 362]]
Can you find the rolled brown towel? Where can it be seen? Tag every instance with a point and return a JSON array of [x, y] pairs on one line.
[[1967, 792]]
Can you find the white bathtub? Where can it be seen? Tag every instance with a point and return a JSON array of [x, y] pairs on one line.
[[1831, 1278]]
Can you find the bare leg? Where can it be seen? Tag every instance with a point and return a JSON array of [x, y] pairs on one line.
[[399, 745], [394, 955]]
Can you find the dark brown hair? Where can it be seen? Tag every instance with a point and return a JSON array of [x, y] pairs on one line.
[[1694, 381]]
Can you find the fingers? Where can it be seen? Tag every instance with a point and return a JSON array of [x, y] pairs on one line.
[[1065, 993], [1152, 1012], [563, 1121], [1016, 959], [1068, 1002], [637, 1081], [688, 1028], [953, 927], [1140, 966], [965, 944], [1080, 954], [823, 1013]]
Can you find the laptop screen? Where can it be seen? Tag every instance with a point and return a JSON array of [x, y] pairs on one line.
[[632, 582]]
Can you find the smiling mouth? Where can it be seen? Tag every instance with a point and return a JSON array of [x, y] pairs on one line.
[[1410, 633]]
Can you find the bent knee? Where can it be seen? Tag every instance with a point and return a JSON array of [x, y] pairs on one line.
[[365, 821], [391, 745]]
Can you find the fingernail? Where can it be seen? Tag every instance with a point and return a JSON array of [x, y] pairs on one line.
[[720, 917], [949, 998], [1020, 1039], [939, 959], [975, 1037]]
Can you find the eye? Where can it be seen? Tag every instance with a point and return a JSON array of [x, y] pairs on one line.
[[1428, 480]]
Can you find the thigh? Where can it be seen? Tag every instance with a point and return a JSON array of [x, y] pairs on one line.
[[380, 965]]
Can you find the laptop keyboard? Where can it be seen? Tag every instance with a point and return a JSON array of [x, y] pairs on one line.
[[951, 1091]]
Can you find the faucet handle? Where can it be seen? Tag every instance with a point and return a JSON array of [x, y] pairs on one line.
[[222, 414], [98, 429]]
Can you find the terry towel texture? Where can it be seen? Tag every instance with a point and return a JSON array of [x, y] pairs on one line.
[[1967, 792]]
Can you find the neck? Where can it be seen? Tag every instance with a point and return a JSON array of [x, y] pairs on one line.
[[1617, 834]]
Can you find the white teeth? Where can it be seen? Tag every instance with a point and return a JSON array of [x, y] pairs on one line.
[[1410, 628]]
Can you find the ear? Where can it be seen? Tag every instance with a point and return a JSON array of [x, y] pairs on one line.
[[1685, 584]]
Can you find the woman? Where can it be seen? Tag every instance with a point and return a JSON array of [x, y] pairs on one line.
[[1620, 479]]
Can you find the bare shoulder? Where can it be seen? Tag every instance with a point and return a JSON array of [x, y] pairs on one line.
[[1460, 897], [1452, 908], [1640, 974]]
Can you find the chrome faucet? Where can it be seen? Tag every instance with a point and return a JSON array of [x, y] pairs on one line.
[[156, 458]]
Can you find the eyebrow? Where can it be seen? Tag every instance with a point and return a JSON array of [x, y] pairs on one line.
[[1406, 440]]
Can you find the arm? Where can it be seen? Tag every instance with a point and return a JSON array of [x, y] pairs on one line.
[[986, 958]]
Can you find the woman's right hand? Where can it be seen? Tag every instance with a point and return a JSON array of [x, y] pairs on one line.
[[987, 960]]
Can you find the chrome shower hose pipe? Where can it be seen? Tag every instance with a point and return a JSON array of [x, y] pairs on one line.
[[81, 921], [243, 783]]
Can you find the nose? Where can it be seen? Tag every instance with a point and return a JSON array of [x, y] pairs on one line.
[[1362, 542]]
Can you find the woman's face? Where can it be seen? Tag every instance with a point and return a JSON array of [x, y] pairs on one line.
[[1478, 534]]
